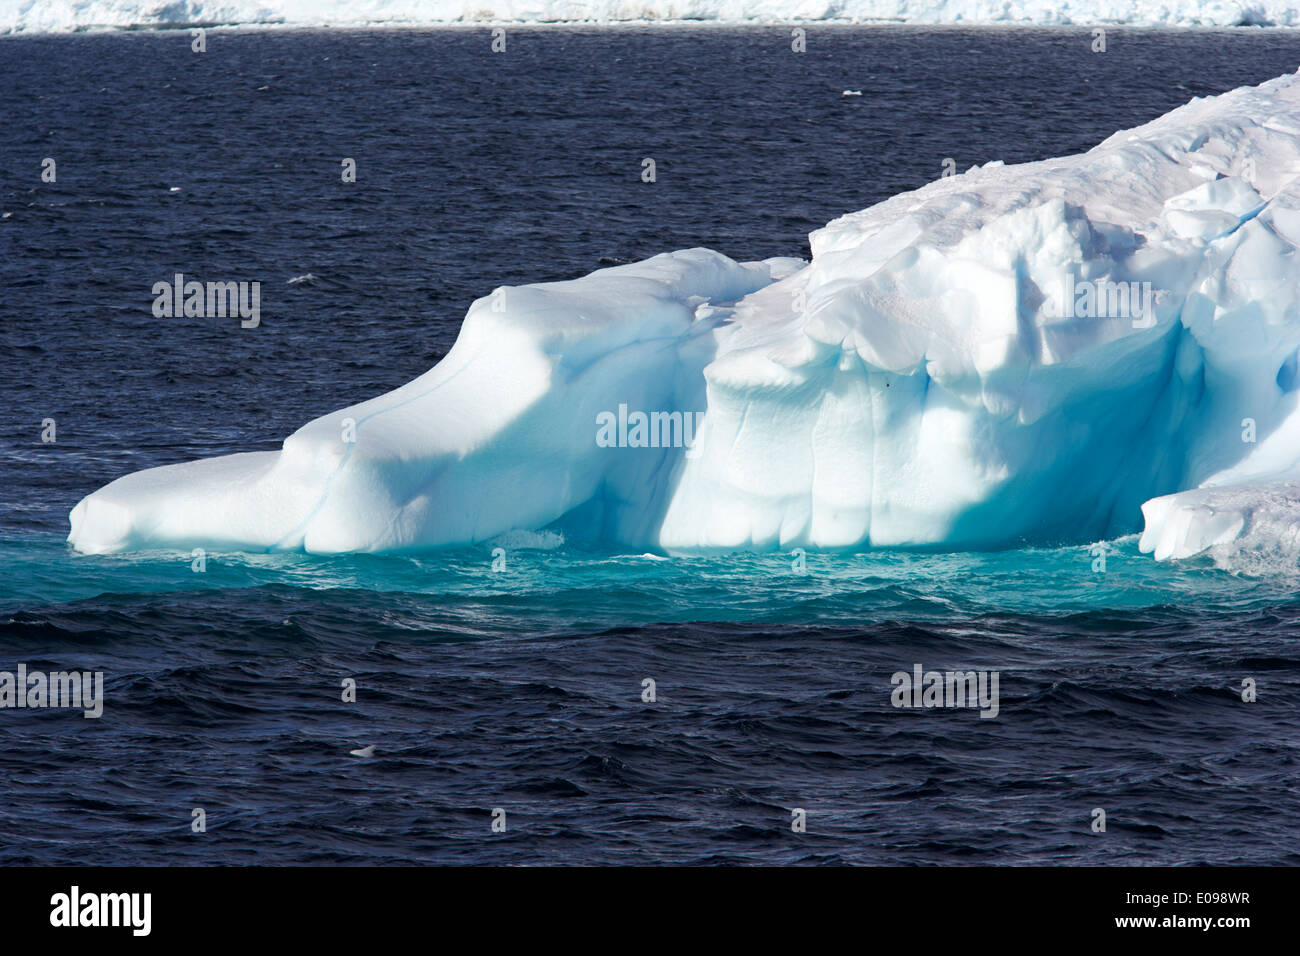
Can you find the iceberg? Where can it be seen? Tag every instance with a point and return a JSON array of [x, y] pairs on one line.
[[47, 16], [1038, 353]]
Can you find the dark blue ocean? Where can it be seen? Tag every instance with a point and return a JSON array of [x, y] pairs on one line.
[[522, 690]]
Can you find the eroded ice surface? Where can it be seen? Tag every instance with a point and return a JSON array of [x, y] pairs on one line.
[[37, 16], [1014, 354]]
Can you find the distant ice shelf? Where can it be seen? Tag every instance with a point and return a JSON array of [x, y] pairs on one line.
[[1016, 354], [43, 16]]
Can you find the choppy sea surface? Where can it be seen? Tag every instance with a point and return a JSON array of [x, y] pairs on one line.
[[522, 689]]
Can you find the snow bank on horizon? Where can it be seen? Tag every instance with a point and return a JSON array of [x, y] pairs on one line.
[[1017, 354], [53, 16]]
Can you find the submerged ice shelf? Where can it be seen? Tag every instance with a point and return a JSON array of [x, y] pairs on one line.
[[1017, 354]]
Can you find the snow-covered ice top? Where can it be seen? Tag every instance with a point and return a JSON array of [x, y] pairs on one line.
[[39, 16], [1031, 353]]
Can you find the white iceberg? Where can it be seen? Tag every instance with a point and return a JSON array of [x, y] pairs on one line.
[[1014, 354], [44, 16]]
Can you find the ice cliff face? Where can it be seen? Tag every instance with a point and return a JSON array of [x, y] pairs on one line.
[[1036, 353], [38, 16]]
